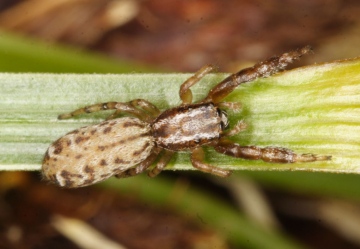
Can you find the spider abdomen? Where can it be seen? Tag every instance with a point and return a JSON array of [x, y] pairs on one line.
[[94, 153]]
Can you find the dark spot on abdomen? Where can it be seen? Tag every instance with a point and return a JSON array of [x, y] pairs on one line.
[[78, 156], [57, 147], [88, 169], [107, 130], [101, 147], [138, 152], [80, 139], [120, 161], [129, 124]]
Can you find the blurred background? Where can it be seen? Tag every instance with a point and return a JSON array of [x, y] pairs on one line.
[[177, 209]]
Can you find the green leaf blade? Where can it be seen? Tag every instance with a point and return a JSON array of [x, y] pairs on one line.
[[314, 109]]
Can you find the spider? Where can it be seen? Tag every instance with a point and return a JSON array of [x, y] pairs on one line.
[[128, 146]]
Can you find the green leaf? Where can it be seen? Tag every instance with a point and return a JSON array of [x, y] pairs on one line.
[[22, 54], [314, 109]]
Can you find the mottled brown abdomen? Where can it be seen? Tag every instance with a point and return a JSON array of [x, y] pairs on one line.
[[94, 153], [187, 127]]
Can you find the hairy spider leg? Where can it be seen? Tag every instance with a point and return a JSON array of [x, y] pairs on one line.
[[267, 154], [185, 92], [234, 106], [239, 127], [144, 165], [120, 107], [147, 106], [163, 161], [197, 160], [260, 70], [149, 111], [141, 167]]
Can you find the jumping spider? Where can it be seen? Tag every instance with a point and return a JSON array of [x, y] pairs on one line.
[[127, 146]]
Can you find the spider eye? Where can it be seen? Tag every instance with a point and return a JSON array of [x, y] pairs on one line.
[[224, 119]]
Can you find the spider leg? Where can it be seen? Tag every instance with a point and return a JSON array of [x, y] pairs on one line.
[[185, 92], [147, 106], [234, 106], [239, 127], [141, 167], [197, 160], [260, 70], [164, 160], [147, 111], [120, 107], [267, 154]]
